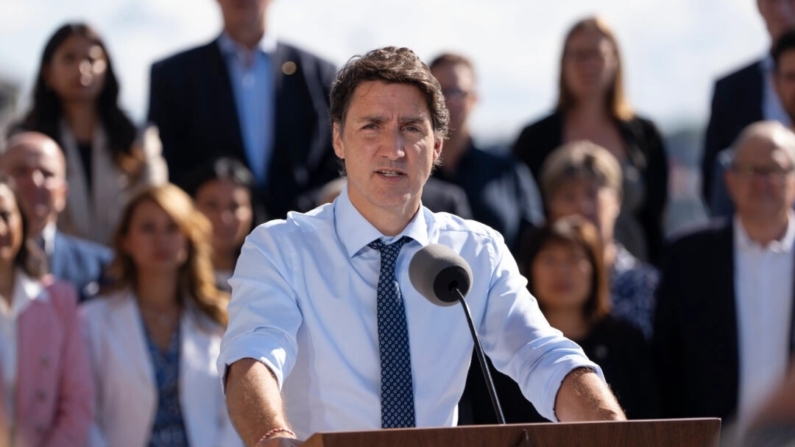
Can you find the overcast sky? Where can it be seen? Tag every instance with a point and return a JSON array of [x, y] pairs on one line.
[[673, 49]]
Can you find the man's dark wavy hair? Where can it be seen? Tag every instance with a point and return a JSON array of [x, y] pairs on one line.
[[393, 66]]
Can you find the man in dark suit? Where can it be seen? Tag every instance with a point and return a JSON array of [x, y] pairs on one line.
[[500, 189], [745, 96], [783, 74], [724, 324], [504, 196], [36, 166], [246, 95]]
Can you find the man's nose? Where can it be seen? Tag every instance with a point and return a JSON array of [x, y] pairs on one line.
[[393, 146], [586, 207], [37, 178]]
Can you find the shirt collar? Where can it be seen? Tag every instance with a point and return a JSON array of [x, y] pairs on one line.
[[767, 64], [624, 260], [26, 290], [228, 46], [355, 232], [784, 245], [48, 236]]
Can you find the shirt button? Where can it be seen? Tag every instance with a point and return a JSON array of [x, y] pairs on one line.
[[41, 395], [40, 428], [45, 361]]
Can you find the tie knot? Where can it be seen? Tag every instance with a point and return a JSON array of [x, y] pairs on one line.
[[393, 247]]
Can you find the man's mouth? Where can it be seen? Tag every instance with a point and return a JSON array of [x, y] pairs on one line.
[[389, 173]]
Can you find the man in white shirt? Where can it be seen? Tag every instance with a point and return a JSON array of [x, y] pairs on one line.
[[725, 319], [322, 303]]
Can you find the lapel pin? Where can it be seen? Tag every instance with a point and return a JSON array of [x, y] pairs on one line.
[[289, 68]]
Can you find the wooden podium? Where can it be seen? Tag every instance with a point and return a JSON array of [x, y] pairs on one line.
[[649, 433]]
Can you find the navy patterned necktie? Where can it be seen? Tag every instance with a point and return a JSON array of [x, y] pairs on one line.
[[397, 391]]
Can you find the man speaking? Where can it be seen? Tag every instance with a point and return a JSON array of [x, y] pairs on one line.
[[326, 332]]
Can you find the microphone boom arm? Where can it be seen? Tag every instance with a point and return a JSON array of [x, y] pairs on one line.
[[482, 359]]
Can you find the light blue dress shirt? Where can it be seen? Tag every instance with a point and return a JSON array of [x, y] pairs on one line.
[[772, 109], [251, 74], [304, 304]]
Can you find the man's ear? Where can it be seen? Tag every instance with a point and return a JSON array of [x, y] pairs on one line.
[[61, 194], [437, 148], [336, 134]]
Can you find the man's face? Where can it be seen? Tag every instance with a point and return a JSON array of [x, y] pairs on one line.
[[785, 81], [779, 16], [761, 180], [458, 85], [35, 166], [388, 145], [240, 13]]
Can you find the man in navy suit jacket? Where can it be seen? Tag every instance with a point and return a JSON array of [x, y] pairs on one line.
[[246, 95], [36, 166], [725, 320], [745, 96]]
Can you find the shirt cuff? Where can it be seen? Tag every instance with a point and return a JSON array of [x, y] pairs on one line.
[[261, 347], [565, 365]]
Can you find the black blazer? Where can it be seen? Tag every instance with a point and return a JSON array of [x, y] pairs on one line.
[[644, 148], [736, 103], [192, 102], [695, 330], [79, 262]]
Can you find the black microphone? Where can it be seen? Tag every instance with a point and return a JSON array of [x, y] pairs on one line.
[[444, 278]]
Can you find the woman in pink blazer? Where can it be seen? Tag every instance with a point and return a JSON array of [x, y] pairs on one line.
[[46, 392]]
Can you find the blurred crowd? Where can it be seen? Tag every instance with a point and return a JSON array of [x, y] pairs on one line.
[[117, 239]]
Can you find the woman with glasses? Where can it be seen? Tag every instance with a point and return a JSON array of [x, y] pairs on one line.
[[592, 105]]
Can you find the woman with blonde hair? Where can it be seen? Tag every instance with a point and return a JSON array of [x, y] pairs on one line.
[[592, 105], [154, 335]]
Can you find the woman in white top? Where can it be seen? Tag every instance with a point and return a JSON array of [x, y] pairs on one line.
[[154, 335], [75, 103]]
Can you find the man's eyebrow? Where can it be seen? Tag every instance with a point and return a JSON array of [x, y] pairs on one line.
[[413, 119], [372, 119], [383, 119]]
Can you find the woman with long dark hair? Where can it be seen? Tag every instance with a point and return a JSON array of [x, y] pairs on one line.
[[566, 273], [75, 102], [225, 192]]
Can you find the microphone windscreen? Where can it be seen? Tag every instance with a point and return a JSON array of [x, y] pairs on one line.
[[436, 271]]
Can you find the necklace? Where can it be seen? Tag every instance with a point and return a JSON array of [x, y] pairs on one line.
[[163, 319]]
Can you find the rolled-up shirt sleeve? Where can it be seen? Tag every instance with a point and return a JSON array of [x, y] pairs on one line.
[[264, 315], [520, 341]]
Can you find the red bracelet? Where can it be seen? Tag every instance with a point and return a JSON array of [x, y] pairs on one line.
[[273, 431]]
